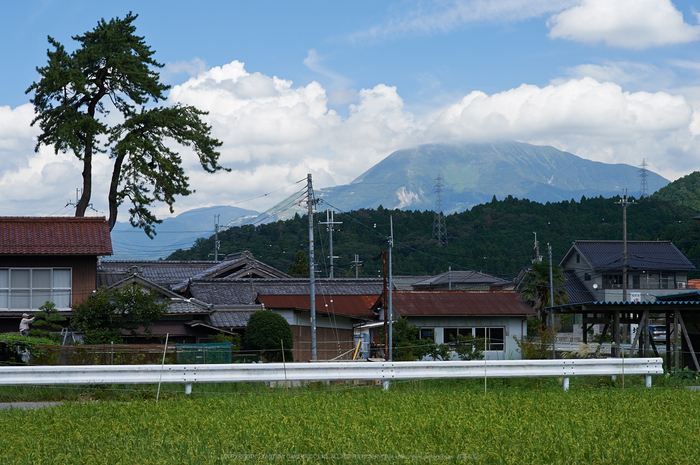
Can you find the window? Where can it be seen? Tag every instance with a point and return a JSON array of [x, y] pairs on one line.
[[426, 333], [612, 281], [30, 288], [450, 334], [494, 336]]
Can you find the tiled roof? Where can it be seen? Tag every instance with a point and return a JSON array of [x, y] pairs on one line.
[[347, 305], [186, 306], [163, 272], [643, 255], [575, 289], [54, 236], [244, 291], [459, 303], [241, 265], [458, 277], [230, 319]]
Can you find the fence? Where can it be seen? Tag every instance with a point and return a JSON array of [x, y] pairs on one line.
[[327, 371]]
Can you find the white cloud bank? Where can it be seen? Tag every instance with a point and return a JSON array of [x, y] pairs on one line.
[[632, 24], [275, 133]]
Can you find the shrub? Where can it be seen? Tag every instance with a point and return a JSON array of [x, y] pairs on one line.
[[266, 332]]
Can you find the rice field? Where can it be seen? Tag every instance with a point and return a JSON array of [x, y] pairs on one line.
[[411, 423]]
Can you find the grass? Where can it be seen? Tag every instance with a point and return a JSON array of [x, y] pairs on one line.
[[449, 421]]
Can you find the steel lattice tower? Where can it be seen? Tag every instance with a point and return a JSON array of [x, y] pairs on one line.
[[439, 228], [644, 188]]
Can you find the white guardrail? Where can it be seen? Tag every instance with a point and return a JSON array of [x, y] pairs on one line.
[[325, 371]]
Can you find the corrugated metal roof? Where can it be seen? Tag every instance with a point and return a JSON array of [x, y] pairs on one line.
[[54, 236], [459, 303], [346, 305], [643, 255]]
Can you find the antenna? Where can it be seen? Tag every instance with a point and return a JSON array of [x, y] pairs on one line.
[[439, 228]]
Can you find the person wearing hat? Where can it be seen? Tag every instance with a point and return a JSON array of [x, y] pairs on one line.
[[24, 324]]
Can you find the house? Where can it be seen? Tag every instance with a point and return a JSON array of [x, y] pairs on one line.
[[594, 282], [340, 304], [439, 315], [48, 259], [593, 270]]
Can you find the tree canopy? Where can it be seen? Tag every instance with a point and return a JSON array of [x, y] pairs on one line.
[[106, 316], [267, 332], [114, 70]]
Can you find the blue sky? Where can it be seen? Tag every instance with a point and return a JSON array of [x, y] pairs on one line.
[[331, 88]]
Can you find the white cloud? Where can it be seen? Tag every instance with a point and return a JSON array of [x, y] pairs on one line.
[[274, 133], [598, 121], [448, 15], [190, 68], [628, 74], [633, 24]]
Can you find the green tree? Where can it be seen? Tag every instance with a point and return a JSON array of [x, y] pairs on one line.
[[47, 322], [108, 314], [536, 288], [266, 332], [300, 267], [113, 69], [405, 343]]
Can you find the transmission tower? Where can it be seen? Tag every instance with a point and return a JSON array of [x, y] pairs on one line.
[[439, 228], [644, 188]]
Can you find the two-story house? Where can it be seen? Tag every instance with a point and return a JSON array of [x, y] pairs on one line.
[[594, 270]]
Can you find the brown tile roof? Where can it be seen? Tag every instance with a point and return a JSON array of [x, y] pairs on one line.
[[54, 236], [456, 303]]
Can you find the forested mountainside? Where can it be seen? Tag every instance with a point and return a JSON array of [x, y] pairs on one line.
[[495, 238]]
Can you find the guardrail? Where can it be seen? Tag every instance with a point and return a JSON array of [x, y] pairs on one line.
[[326, 371]]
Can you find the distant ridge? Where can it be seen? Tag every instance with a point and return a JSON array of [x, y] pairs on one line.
[[473, 173]]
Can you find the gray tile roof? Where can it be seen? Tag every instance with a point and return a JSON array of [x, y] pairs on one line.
[[244, 291], [461, 277], [231, 319], [187, 306], [643, 255], [575, 289], [163, 272]]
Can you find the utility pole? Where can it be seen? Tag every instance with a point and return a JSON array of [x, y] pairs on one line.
[[330, 223], [616, 324], [537, 250], [312, 277], [551, 297], [391, 310], [216, 238], [357, 264]]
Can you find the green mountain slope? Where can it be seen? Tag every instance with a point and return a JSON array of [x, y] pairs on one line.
[[684, 192], [496, 237], [473, 173]]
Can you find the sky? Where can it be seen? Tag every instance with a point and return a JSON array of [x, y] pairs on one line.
[[332, 88]]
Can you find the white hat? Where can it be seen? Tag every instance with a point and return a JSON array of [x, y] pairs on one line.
[[25, 314]]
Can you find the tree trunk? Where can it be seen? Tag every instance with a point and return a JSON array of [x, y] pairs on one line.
[[84, 201], [113, 190]]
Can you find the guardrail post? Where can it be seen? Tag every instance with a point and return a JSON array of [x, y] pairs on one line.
[[188, 388], [648, 381], [566, 383]]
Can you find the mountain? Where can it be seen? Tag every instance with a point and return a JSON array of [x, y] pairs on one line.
[[473, 174], [684, 191], [179, 232]]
